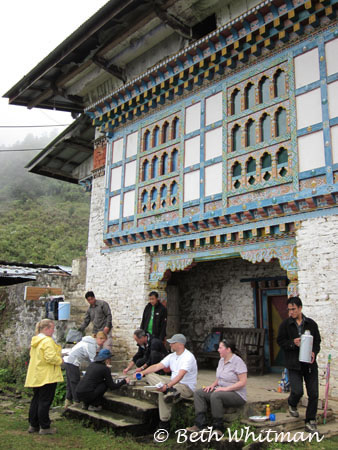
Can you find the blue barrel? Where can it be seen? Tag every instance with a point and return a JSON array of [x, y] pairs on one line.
[[64, 310]]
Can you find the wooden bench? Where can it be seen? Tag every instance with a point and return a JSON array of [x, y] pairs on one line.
[[249, 342]]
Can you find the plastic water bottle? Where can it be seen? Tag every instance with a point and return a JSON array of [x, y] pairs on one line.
[[306, 343]]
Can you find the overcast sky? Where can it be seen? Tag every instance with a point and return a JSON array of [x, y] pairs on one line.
[[29, 31]]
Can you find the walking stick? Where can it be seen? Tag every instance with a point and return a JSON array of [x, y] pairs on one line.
[[327, 387]]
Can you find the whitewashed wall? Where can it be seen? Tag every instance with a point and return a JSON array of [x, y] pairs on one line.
[[317, 241], [120, 278]]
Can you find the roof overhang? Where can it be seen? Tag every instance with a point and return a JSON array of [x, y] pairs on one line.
[[100, 50], [70, 150]]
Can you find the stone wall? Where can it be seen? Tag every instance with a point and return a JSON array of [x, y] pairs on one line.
[[211, 294], [18, 317], [317, 241], [120, 277]]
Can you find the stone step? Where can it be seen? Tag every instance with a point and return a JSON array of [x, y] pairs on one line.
[[120, 423], [132, 407]]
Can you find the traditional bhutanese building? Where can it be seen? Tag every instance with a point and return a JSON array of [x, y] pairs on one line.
[[208, 137]]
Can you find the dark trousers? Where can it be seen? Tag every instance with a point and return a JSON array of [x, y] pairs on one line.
[[155, 358], [73, 379], [40, 404], [310, 375], [95, 397]]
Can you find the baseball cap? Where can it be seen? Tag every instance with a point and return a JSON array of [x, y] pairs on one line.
[[177, 338]]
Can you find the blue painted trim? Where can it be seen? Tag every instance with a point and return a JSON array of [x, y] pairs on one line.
[[263, 223], [312, 173], [310, 129]]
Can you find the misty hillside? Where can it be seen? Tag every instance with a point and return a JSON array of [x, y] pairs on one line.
[[42, 220]]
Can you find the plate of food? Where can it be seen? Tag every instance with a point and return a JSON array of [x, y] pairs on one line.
[[259, 418]]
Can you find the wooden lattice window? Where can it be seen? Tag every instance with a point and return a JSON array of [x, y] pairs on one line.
[[265, 128], [280, 120], [249, 96], [264, 90], [250, 133], [279, 83], [235, 102], [165, 132], [236, 138]]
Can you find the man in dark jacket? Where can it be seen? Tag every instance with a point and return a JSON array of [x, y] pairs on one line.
[[150, 351], [96, 381], [154, 319], [289, 336], [100, 315]]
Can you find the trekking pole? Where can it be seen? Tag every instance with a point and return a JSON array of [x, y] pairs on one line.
[[327, 387]]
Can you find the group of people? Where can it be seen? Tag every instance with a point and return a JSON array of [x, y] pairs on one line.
[[153, 362]]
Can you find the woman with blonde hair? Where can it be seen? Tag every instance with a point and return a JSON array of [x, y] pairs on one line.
[[44, 371], [83, 351]]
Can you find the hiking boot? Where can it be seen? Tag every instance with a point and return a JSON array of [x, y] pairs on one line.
[[311, 427], [164, 425], [33, 429], [95, 408], [68, 403], [293, 411], [171, 395], [85, 406], [47, 431], [193, 429]]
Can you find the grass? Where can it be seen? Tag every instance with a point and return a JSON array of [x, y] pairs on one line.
[[73, 434]]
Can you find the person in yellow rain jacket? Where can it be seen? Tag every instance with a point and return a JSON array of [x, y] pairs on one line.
[[44, 371]]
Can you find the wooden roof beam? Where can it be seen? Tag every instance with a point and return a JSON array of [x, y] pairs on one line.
[[110, 68]]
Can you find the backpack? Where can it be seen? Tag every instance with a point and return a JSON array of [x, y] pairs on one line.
[[211, 342], [52, 307]]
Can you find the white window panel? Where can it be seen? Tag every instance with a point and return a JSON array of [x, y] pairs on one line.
[[213, 179], [309, 109], [332, 90], [193, 118], [334, 140], [213, 143], [117, 150], [192, 185], [131, 144], [130, 173], [331, 52], [311, 151], [114, 207], [307, 68], [128, 203], [192, 151], [115, 180], [213, 108]]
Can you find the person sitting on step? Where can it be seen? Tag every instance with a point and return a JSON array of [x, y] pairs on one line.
[[83, 351], [229, 389], [96, 381], [182, 383], [151, 350]]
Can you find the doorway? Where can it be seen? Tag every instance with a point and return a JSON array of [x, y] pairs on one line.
[[274, 311]]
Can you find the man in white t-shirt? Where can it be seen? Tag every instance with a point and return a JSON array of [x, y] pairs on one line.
[[182, 383]]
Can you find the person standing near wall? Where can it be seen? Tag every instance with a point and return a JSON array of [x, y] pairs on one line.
[[100, 315], [154, 319], [289, 336], [44, 371]]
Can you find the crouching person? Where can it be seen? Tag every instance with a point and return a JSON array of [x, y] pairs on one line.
[[150, 351], [83, 351], [96, 381], [182, 383], [229, 389]]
